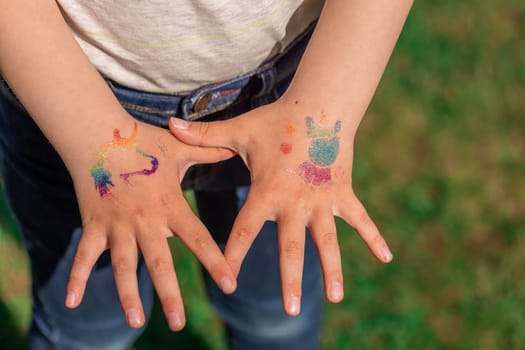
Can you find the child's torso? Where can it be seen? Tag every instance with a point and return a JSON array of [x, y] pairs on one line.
[[178, 45]]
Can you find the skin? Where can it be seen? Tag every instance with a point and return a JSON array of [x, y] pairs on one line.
[[346, 58], [336, 80], [57, 84]]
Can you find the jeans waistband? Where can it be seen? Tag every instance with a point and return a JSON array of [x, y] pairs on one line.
[[212, 98]]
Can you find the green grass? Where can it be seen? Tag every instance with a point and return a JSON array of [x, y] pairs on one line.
[[440, 164]]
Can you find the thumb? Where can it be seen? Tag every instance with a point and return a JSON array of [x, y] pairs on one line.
[[204, 134], [206, 155]]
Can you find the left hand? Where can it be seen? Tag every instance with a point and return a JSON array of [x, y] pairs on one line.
[[301, 167], [130, 199]]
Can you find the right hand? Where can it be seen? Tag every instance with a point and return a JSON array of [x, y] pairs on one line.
[[301, 176], [138, 210]]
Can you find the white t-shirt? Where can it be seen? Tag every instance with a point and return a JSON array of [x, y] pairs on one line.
[[178, 45]]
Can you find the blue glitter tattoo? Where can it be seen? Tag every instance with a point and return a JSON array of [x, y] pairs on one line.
[[324, 147]]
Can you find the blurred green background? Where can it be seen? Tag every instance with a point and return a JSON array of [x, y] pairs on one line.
[[440, 164]]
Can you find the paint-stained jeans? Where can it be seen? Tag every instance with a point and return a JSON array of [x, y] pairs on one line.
[[41, 195]]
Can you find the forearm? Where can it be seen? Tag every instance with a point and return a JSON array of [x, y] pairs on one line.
[[346, 57], [55, 81]]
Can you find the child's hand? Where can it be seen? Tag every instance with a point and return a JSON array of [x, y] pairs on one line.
[[131, 200], [301, 167]]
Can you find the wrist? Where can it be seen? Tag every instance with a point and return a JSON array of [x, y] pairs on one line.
[[298, 107], [79, 144]]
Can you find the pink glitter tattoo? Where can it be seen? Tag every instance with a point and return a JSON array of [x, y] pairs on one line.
[[313, 174]]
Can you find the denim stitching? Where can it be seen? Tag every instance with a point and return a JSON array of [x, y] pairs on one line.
[[151, 110]]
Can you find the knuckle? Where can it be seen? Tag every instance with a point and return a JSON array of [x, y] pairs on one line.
[[293, 287], [164, 201], [160, 266], [81, 258], [292, 249], [202, 242], [76, 279], [216, 269], [361, 217], [138, 213], [92, 237], [377, 240], [267, 195], [169, 202], [127, 241], [128, 300], [328, 239], [169, 302], [100, 240], [335, 275], [89, 221], [235, 264], [80, 271], [122, 266], [243, 236]]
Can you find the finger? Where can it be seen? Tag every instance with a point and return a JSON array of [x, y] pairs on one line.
[[291, 234], [324, 234], [245, 229], [124, 261], [157, 255], [197, 238], [207, 134], [92, 243], [352, 211]]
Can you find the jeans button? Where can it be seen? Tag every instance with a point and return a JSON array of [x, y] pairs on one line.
[[202, 103]]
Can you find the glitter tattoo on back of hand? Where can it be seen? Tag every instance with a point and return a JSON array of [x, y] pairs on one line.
[[102, 176], [323, 151]]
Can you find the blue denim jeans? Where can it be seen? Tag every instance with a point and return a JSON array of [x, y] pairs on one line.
[[41, 195]]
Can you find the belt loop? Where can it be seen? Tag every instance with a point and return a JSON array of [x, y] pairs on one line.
[[267, 75], [212, 98], [187, 105]]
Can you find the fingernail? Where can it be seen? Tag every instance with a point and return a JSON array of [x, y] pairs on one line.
[[133, 317], [227, 285], [336, 292], [294, 305], [180, 123], [387, 254], [70, 299], [175, 321]]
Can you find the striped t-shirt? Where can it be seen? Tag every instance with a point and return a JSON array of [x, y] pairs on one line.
[[178, 45]]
